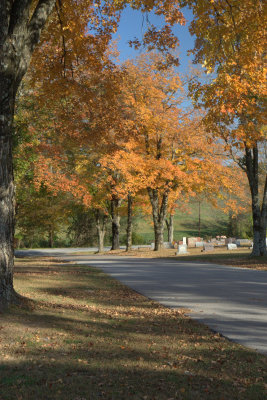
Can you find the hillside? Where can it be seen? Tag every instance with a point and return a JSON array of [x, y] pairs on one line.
[[213, 222]]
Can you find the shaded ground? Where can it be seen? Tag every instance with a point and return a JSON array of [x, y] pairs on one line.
[[86, 336]]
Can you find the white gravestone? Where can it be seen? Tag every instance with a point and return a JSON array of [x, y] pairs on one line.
[[231, 246], [184, 240], [182, 249]]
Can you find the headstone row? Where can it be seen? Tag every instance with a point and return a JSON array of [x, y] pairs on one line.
[[198, 242]]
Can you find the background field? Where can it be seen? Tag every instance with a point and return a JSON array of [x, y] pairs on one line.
[[213, 222], [83, 233]]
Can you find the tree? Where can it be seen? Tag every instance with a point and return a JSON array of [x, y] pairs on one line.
[[40, 213], [124, 183], [101, 224], [150, 97], [168, 152], [230, 44], [173, 205], [20, 30], [74, 130], [129, 230], [21, 24]]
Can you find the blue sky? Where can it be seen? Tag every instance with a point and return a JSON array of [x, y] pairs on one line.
[[131, 25]]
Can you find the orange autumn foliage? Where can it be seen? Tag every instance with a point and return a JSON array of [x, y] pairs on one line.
[[231, 44]]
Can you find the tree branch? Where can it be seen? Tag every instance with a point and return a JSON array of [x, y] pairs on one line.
[[19, 15], [5, 9], [38, 20], [64, 50]]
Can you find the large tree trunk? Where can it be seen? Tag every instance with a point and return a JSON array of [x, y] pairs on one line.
[[115, 203], [18, 36], [159, 212], [169, 224], [7, 293], [158, 233], [129, 230], [259, 210], [101, 230]]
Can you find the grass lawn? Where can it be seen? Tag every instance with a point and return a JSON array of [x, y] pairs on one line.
[[84, 335], [236, 258], [213, 222]]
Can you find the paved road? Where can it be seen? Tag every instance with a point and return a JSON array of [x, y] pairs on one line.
[[231, 301]]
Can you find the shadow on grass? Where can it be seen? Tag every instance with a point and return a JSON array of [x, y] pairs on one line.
[[111, 321], [207, 229], [85, 320], [117, 373]]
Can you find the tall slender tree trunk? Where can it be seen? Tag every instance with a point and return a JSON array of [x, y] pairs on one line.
[[169, 224], [115, 203], [129, 230], [51, 238], [259, 211], [199, 218], [20, 31], [101, 230], [159, 211]]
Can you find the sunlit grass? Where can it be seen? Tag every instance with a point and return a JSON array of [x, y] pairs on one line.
[[241, 257]]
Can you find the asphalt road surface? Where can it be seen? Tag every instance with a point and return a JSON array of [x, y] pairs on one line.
[[231, 301]]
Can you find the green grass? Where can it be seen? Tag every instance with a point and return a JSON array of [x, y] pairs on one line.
[[213, 222], [85, 336]]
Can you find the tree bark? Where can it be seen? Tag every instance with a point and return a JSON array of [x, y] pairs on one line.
[[129, 230], [101, 230], [18, 36], [51, 238], [159, 212], [115, 203], [169, 224], [199, 218], [7, 293], [259, 210]]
